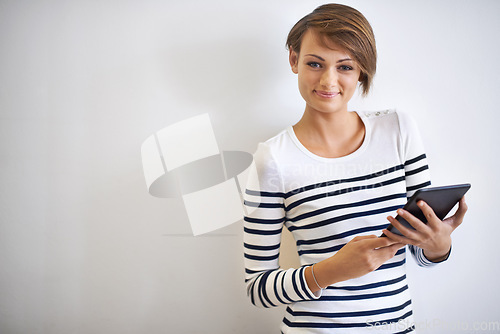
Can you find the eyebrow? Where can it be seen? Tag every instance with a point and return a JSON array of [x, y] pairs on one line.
[[321, 58]]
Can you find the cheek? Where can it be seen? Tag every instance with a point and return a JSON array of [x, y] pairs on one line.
[[303, 90], [310, 78], [351, 81], [305, 80]]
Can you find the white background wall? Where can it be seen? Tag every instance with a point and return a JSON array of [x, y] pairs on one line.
[[85, 249]]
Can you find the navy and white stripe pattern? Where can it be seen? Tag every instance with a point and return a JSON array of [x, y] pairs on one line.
[[325, 203]]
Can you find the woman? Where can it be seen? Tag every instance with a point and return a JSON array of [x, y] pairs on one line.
[[331, 179]]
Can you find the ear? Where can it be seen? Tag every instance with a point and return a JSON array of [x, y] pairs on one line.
[[293, 58]]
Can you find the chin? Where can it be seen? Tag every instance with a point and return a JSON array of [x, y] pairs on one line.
[[329, 109]]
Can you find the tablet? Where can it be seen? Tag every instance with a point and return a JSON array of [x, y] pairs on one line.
[[440, 199]]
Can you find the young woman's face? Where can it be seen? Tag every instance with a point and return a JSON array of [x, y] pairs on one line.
[[328, 76]]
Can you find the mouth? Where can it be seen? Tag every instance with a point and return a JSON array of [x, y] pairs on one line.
[[326, 94]]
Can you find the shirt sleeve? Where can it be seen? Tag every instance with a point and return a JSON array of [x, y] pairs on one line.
[[267, 284], [417, 173]]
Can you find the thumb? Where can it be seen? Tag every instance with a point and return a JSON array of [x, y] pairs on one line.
[[364, 237], [459, 215]]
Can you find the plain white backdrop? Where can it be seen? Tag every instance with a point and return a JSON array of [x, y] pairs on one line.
[[85, 249]]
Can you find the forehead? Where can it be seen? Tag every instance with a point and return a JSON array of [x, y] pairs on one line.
[[313, 42]]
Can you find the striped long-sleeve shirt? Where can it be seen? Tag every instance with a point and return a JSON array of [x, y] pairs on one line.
[[324, 203]]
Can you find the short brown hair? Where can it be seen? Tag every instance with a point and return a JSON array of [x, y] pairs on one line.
[[346, 27]]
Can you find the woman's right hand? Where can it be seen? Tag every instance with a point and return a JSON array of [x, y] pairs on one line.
[[358, 257]]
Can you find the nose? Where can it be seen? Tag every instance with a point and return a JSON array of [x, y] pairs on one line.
[[329, 78]]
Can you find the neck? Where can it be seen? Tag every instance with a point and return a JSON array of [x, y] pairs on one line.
[[328, 126], [330, 134]]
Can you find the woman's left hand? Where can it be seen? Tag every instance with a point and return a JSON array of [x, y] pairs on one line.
[[435, 236]]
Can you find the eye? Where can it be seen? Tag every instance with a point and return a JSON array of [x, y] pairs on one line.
[[314, 64], [345, 68]]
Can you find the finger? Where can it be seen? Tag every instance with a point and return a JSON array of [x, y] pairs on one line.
[[459, 215], [407, 232], [363, 237], [432, 219], [379, 243], [398, 239], [389, 251], [394, 248]]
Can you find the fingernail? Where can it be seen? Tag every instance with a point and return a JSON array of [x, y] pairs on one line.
[[400, 212]]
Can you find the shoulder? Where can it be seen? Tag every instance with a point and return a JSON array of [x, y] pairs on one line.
[[380, 117], [265, 165], [391, 118], [277, 142], [269, 151], [272, 147]]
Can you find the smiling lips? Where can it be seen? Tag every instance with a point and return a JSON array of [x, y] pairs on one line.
[[325, 94]]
